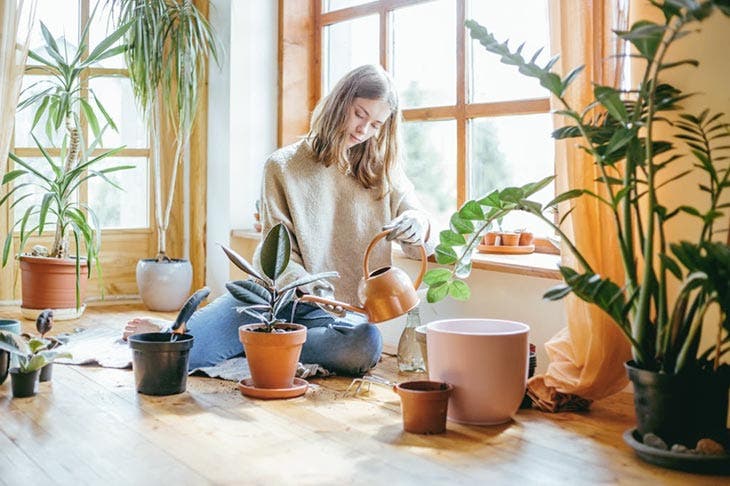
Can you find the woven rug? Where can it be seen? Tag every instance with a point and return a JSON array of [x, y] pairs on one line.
[[104, 347]]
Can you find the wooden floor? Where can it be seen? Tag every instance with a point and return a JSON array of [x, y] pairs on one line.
[[89, 426]]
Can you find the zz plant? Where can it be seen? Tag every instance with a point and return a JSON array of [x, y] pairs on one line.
[[262, 295], [618, 130]]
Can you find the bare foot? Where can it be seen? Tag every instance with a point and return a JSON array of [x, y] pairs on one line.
[[140, 325]]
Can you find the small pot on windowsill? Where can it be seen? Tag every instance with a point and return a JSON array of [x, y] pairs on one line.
[[526, 238], [509, 239], [491, 238]]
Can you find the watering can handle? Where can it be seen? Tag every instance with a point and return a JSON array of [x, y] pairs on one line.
[[332, 302], [380, 236]]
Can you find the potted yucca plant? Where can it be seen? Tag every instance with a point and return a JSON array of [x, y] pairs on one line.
[[681, 391], [273, 345], [53, 277]]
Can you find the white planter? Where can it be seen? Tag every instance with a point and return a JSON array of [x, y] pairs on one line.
[[164, 286], [487, 362]]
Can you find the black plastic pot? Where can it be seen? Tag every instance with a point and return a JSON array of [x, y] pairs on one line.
[[681, 409], [4, 365], [24, 384], [46, 373], [160, 365]]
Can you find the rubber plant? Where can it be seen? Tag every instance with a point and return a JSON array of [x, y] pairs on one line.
[[618, 130], [60, 99], [263, 297], [169, 44]]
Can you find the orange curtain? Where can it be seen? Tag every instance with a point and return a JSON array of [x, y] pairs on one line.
[[586, 357], [16, 17]]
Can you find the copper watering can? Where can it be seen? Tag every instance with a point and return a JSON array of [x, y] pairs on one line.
[[385, 293]]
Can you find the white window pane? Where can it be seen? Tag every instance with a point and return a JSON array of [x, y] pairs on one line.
[[100, 28], [431, 166], [24, 118], [329, 5], [512, 151], [348, 45], [115, 95], [519, 21], [424, 53], [33, 193], [60, 17], [121, 209]]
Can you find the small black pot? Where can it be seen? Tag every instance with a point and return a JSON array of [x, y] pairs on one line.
[[24, 384], [681, 409], [46, 373], [4, 365], [160, 365]]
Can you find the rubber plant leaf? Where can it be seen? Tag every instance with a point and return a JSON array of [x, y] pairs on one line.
[[275, 251]]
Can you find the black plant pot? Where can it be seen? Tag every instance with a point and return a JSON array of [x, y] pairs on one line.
[[681, 409], [46, 373], [24, 384], [4, 365], [160, 365]]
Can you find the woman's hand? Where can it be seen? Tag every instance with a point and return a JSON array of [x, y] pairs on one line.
[[410, 228]]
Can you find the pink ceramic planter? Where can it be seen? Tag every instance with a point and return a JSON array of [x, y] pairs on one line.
[[486, 361]]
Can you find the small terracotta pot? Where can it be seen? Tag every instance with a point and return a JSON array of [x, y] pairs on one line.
[[273, 356], [491, 238], [424, 405], [526, 238], [509, 239]]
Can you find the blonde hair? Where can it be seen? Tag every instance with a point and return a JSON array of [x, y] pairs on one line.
[[373, 161]]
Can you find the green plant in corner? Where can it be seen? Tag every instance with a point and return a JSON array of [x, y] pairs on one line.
[[169, 44], [263, 297], [618, 130], [60, 100]]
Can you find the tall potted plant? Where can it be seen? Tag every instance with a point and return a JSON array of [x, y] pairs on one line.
[[272, 346], [681, 391], [52, 278], [169, 44]]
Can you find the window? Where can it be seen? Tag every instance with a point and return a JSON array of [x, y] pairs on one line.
[[472, 123], [107, 81]]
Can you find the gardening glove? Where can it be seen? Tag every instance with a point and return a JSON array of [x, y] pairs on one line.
[[410, 228], [328, 292]]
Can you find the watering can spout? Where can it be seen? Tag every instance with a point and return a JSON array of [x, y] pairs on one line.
[[386, 293]]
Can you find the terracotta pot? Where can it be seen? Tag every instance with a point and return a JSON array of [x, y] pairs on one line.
[[50, 283], [526, 238], [491, 238], [424, 405], [273, 356], [486, 360], [509, 239]]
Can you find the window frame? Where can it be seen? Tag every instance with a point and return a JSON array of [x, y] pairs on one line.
[[461, 112]]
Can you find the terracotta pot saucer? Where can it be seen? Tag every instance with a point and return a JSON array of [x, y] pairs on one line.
[[297, 389]]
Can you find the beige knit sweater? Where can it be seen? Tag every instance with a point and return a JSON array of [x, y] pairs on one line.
[[331, 218]]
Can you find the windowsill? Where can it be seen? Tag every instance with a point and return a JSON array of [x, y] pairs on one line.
[[542, 265]]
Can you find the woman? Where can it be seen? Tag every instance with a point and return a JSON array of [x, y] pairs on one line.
[[334, 190]]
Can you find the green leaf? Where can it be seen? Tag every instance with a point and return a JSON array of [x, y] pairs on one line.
[[611, 100], [671, 265], [448, 237], [461, 225], [249, 292], [436, 275], [275, 251], [565, 196], [90, 117], [309, 279], [445, 255], [471, 210], [241, 262], [645, 36], [437, 292], [459, 290], [12, 175]]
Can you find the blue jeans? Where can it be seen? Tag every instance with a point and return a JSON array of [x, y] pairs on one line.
[[348, 346]]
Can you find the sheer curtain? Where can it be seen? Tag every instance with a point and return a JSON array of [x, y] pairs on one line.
[[16, 18], [586, 357]]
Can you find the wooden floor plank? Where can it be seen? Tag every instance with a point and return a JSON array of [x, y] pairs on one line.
[[90, 426]]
